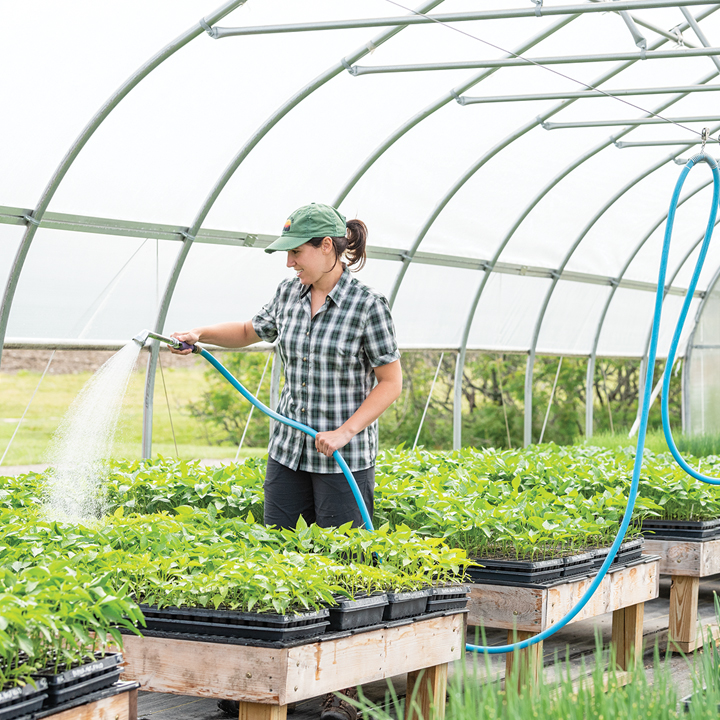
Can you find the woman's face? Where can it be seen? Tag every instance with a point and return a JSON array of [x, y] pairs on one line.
[[311, 263]]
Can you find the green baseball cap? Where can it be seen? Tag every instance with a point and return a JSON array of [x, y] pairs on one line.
[[306, 223]]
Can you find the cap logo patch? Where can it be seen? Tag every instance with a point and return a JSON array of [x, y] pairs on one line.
[[287, 226]]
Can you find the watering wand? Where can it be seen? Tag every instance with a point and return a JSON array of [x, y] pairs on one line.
[[141, 339]]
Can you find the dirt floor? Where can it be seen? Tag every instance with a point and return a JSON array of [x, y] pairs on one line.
[[75, 361]]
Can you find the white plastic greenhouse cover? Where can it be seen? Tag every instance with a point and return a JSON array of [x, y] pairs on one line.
[[489, 228]]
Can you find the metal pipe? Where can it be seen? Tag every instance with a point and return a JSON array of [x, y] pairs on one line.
[[601, 319], [698, 31], [636, 123], [358, 70], [36, 217], [445, 99], [659, 143], [586, 94], [333, 71], [223, 32], [457, 419], [546, 301]]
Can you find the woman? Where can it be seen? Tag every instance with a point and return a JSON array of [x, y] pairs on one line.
[[336, 338]]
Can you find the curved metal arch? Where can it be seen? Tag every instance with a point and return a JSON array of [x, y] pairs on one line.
[[430, 109], [529, 371], [601, 320], [335, 70], [440, 206], [108, 106], [688, 353], [668, 284], [457, 409]]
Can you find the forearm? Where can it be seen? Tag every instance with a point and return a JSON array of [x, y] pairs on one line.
[[381, 397], [229, 334]]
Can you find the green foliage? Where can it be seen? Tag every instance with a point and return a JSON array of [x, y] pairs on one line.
[[224, 412], [698, 445]]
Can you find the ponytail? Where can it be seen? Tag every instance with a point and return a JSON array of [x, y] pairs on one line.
[[357, 233], [352, 245]]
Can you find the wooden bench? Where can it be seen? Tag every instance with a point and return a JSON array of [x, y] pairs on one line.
[[527, 611], [686, 561], [265, 680], [120, 705]]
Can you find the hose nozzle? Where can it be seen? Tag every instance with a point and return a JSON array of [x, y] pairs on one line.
[[142, 337]]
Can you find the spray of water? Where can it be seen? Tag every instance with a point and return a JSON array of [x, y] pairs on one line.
[[82, 444]]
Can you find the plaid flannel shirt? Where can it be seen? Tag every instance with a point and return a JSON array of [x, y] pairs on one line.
[[328, 361]]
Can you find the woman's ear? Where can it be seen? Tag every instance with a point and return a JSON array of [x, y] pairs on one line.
[[327, 245]]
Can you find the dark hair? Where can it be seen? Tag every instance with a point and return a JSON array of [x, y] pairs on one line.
[[352, 245]]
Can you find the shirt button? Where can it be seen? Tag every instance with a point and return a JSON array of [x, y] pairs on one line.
[[303, 410], [304, 359], [307, 333], [303, 384]]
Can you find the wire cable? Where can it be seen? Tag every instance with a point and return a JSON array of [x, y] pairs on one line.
[[530, 61]]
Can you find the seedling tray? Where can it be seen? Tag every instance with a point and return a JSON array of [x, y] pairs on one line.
[[520, 571], [234, 617], [682, 529], [20, 701], [254, 632], [359, 612], [115, 689], [579, 564], [406, 604], [628, 552], [448, 597], [89, 677]]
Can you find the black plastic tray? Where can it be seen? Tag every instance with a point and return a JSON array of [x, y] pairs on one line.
[[578, 564], [101, 664], [253, 632], [116, 689], [682, 529], [448, 597], [90, 685], [233, 617], [20, 701], [627, 552], [359, 612], [406, 604], [516, 570]]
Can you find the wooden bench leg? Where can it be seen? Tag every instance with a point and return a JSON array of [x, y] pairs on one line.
[[682, 631], [258, 711], [530, 660], [132, 704], [627, 635], [426, 690]]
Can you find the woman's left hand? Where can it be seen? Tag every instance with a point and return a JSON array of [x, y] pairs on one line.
[[328, 442]]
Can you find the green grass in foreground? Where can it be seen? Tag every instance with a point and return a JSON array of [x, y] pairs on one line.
[[57, 392], [654, 440]]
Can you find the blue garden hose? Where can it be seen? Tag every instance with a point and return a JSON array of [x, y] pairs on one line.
[[293, 424], [632, 495]]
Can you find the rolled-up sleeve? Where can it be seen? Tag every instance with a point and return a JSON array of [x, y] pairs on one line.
[[265, 322], [379, 337]]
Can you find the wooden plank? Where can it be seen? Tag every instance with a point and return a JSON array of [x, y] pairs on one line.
[[320, 668], [426, 691], [256, 711], [622, 588], [679, 557], [698, 642], [683, 609], [709, 557], [523, 665], [132, 704], [627, 635], [117, 707], [281, 676], [188, 667], [507, 607]]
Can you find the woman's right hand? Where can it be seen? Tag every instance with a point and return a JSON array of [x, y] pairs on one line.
[[188, 337]]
